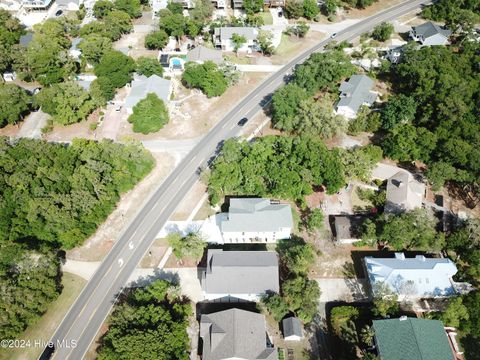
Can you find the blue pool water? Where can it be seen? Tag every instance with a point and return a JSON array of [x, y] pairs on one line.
[[176, 62]]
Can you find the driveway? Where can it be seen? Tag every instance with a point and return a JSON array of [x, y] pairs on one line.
[[33, 124], [342, 289]]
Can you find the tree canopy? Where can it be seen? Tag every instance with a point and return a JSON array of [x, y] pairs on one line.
[[207, 77], [14, 104], [156, 40], [190, 245], [277, 166], [151, 323], [94, 46], [10, 32], [148, 66], [149, 115], [382, 32], [117, 67]]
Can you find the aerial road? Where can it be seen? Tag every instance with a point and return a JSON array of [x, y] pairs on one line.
[[78, 329]]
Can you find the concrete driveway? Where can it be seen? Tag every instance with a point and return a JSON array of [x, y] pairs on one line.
[[33, 124]]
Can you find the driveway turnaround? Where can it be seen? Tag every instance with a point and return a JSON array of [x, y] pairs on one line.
[[79, 327]]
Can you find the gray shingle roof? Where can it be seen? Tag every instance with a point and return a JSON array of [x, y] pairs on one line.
[[226, 33], [292, 327], [256, 214], [412, 339], [356, 92], [240, 272], [143, 86], [429, 29], [403, 192], [201, 53], [235, 334]]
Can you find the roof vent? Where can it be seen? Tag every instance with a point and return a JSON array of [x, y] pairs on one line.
[[420, 257], [400, 256], [402, 318]]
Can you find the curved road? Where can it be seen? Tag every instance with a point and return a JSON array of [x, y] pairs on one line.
[[81, 324]]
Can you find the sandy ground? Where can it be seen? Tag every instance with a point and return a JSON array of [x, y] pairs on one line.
[[97, 246]]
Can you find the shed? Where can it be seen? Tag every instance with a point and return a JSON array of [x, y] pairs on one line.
[[292, 329]]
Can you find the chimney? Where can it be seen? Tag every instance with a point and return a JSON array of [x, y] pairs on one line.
[[402, 318], [420, 257], [399, 256]]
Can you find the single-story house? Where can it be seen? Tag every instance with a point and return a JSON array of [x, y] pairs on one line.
[[348, 228], [411, 339], [142, 86], [235, 334], [292, 329], [200, 54], [417, 277], [246, 275], [255, 220], [404, 193], [353, 94], [429, 34], [222, 38]]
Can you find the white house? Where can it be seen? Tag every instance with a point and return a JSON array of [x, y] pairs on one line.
[[142, 86], [255, 220], [353, 94], [222, 38], [429, 34], [245, 275], [404, 193], [417, 277]]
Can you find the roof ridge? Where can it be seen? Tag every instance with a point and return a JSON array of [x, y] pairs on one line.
[[415, 336]]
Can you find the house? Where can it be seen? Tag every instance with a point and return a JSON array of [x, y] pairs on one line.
[[200, 54], [404, 193], [417, 277], [85, 80], [187, 4], [9, 76], [222, 38], [251, 220], [353, 94], [245, 275], [69, 5], [411, 339], [394, 54], [235, 334], [347, 228], [74, 51], [37, 5], [429, 34], [142, 86], [292, 329]]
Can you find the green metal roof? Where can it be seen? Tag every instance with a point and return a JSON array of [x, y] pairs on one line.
[[412, 339]]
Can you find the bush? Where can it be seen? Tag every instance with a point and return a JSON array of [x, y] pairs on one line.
[[149, 66], [117, 67], [156, 40], [382, 32], [149, 115]]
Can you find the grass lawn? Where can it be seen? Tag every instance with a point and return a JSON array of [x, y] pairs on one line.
[[267, 17], [47, 324], [240, 59], [287, 46]]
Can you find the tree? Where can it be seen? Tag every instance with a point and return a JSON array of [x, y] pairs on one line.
[[102, 90], [472, 302], [341, 317], [14, 104], [455, 314], [316, 117], [385, 302], [175, 7], [265, 42], [294, 9], [116, 24], [10, 32], [149, 115], [94, 46], [285, 105], [131, 7], [206, 77], [400, 109], [190, 245], [102, 8], [300, 29], [67, 102], [156, 40], [172, 24], [302, 296], [275, 305], [149, 324], [202, 11], [330, 7], [117, 67], [252, 6], [382, 32], [314, 220], [359, 162], [238, 41], [296, 256], [310, 9], [149, 66]]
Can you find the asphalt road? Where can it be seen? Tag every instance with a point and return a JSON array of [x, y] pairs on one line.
[[81, 324]]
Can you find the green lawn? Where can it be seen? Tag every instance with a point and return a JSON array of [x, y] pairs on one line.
[[44, 328], [287, 46], [240, 60], [267, 17]]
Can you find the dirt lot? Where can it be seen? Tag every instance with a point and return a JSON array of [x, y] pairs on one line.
[[98, 245], [370, 10], [189, 203]]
